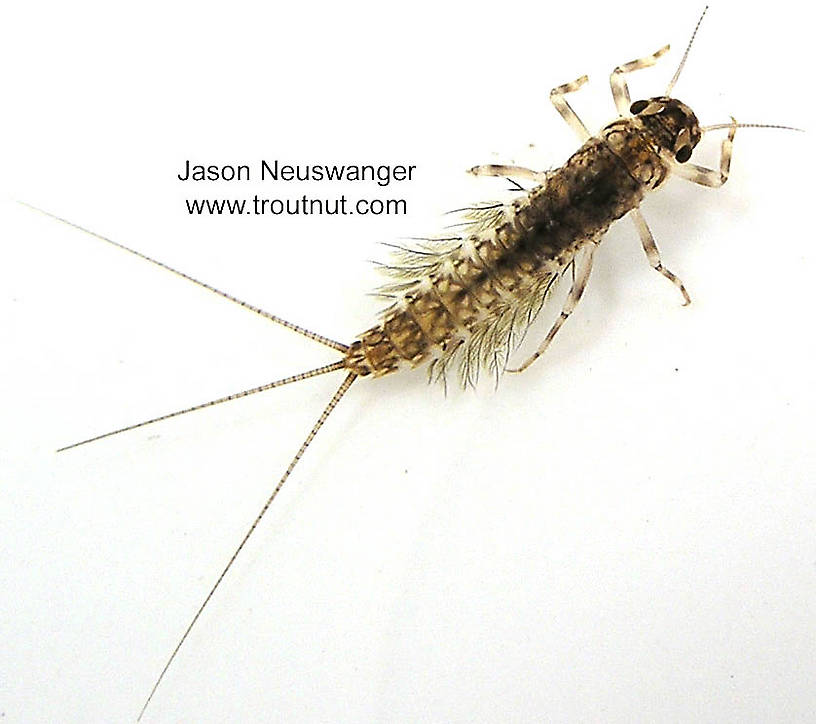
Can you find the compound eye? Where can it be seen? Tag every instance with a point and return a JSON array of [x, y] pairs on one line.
[[683, 154], [638, 106]]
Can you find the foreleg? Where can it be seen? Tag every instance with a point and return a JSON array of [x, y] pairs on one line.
[[709, 176], [620, 89]]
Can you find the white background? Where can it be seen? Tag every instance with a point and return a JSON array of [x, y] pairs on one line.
[[626, 531]]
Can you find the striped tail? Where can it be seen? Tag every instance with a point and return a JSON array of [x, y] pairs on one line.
[[342, 364]]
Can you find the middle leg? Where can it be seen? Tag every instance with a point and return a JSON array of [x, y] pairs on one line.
[[565, 109], [653, 254]]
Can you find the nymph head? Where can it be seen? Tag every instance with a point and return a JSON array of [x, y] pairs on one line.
[[671, 124]]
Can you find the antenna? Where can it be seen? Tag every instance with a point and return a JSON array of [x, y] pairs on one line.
[[722, 126], [685, 55]]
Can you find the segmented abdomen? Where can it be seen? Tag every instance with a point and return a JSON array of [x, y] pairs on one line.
[[471, 298]]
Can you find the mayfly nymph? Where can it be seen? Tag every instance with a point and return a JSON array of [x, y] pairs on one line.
[[462, 302]]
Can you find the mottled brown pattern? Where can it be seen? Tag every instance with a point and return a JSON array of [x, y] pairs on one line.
[[469, 298], [537, 237]]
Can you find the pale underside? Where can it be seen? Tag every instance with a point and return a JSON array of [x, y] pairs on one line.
[[498, 331]]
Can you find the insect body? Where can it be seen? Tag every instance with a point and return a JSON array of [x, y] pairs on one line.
[[463, 301], [487, 287]]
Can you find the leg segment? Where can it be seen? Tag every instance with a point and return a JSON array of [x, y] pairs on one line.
[[494, 169], [620, 90], [710, 176], [567, 113], [653, 254], [584, 267], [564, 108]]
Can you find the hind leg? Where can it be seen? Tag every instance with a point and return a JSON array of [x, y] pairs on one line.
[[495, 169], [581, 270], [620, 89]]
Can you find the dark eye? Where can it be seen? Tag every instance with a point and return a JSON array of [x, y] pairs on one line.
[[683, 154], [638, 106]]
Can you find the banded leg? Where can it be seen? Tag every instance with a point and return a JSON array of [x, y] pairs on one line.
[[709, 176], [620, 90], [581, 269], [565, 109], [495, 169], [653, 254]]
